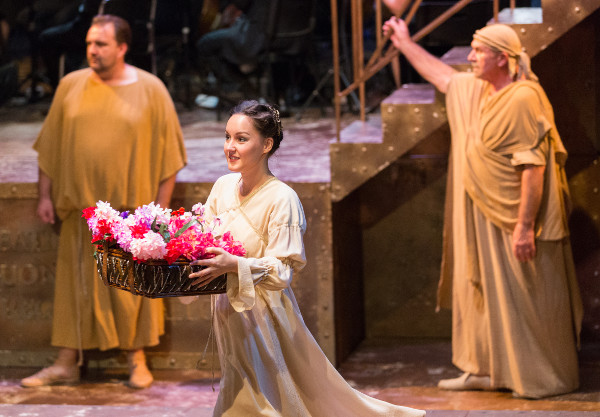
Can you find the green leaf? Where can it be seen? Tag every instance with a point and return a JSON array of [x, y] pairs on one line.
[[164, 232], [184, 228]]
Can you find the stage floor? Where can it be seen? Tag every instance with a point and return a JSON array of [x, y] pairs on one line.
[[403, 372], [302, 157]]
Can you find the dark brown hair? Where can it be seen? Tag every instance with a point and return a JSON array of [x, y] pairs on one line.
[[265, 119], [122, 29]]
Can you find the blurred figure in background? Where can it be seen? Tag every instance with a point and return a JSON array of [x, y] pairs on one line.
[[117, 127]]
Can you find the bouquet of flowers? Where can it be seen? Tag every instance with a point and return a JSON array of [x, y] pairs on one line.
[[148, 252], [155, 233]]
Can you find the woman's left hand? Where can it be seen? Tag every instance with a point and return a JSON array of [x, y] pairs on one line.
[[222, 263]]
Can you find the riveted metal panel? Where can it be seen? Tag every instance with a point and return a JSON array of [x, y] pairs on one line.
[[558, 16], [585, 239], [408, 116], [27, 268]]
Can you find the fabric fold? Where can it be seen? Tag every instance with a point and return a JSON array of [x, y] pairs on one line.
[[240, 287]]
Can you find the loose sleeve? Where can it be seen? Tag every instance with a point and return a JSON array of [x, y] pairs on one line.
[[533, 126], [48, 142], [168, 130], [284, 254], [535, 156]]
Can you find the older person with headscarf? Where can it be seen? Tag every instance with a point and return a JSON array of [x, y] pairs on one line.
[[507, 268]]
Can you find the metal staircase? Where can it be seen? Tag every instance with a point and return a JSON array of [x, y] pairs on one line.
[[415, 112]]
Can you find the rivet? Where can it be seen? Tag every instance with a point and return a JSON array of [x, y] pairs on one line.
[[353, 169], [363, 169], [417, 110], [550, 29], [316, 211], [390, 109], [13, 189], [435, 115], [577, 9], [596, 273], [390, 148], [364, 149], [543, 47], [596, 189], [172, 361], [523, 30], [417, 129]]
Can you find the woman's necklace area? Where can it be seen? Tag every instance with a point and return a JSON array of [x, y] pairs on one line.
[[245, 196]]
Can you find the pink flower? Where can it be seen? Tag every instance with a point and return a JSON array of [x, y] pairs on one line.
[[198, 209], [153, 232], [151, 246]]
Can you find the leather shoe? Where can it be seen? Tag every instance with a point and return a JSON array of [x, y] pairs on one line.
[[466, 382]]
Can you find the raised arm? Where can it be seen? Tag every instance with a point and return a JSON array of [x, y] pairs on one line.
[[430, 67]]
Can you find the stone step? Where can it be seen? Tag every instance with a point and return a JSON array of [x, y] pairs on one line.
[[411, 94], [363, 132], [457, 58], [521, 16], [410, 114]]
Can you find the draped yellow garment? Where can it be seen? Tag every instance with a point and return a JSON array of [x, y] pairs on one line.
[[517, 322], [271, 365], [116, 144]]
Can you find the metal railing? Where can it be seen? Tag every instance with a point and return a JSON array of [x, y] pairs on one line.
[[363, 72]]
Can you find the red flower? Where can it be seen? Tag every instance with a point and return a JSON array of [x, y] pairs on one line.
[[88, 212], [139, 230], [179, 212]]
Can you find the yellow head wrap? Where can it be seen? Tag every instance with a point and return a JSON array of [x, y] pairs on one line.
[[503, 38]]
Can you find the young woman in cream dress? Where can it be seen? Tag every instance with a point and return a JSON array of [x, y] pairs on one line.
[[271, 364]]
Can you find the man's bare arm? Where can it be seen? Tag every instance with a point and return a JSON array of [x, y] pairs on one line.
[[45, 208], [165, 191], [430, 67], [532, 187]]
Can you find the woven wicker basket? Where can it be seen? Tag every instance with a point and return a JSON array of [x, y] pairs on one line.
[[153, 279]]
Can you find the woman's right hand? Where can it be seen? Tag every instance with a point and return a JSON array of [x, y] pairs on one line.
[[45, 210]]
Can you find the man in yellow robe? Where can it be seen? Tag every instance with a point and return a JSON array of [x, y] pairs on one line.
[[111, 134], [507, 261]]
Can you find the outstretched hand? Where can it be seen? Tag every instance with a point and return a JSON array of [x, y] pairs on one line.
[[398, 31], [222, 263]]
